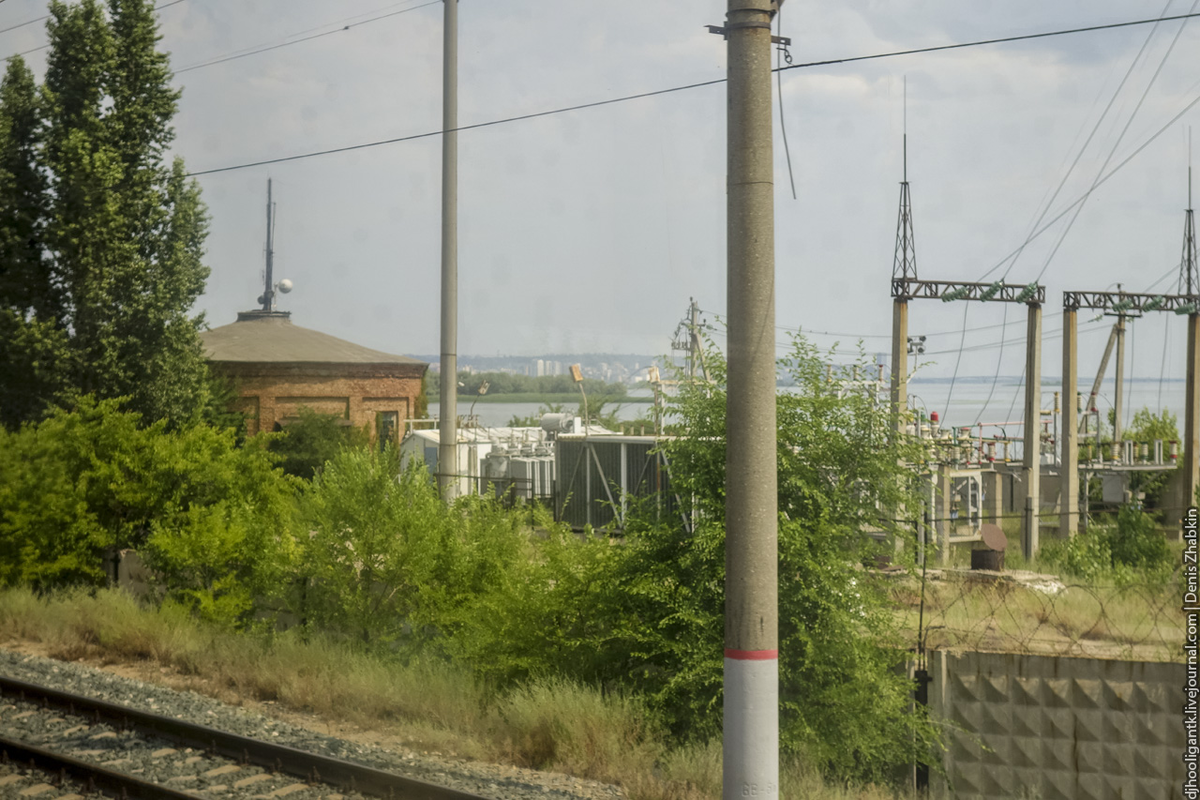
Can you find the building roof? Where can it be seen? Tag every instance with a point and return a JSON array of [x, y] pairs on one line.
[[270, 337]]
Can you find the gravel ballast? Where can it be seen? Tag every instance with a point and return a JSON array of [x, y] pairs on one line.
[[494, 781]]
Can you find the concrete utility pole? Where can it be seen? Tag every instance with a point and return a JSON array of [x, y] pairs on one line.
[[1033, 430], [1191, 414], [751, 732], [448, 427], [1118, 380], [1191, 444], [1068, 504], [693, 339], [899, 363]]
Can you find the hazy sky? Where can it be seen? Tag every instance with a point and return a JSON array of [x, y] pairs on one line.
[[589, 230]]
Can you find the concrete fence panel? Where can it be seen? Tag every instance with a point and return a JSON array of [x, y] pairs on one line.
[[1058, 728]]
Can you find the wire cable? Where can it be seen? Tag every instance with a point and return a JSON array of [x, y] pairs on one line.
[[981, 42], [781, 51], [682, 88], [958, 361], [1063, 182], [39, 19], [268, 48], [1121, 137]]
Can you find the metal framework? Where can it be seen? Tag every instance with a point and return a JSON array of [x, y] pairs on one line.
[[1128, 303], [946, 291]]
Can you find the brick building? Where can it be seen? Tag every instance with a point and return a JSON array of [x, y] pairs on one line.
[[278, 368]]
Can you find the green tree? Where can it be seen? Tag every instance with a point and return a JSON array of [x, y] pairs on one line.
[[648, 615], [111, 244], [211, 516], [307, 444], [1146, 427], [34, 360]]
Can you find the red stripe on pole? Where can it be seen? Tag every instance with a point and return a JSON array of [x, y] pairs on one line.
[[752, 655]]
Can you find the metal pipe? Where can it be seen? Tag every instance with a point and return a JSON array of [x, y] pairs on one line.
[[448, 430], [751, 677]]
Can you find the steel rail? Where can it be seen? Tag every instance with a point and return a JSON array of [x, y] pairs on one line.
[[279, 758], [93, 776]]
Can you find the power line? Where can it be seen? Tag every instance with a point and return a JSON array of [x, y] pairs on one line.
[[685, 87], [234, 57], [1145, 93], [39, 19], [1019, 38]]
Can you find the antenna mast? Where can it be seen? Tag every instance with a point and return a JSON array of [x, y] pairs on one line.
[[1188, 277], [268, 297], [904, 267]]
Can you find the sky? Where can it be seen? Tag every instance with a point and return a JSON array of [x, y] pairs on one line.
[[589, 231]]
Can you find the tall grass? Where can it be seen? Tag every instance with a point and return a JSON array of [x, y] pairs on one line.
[[427, 705]]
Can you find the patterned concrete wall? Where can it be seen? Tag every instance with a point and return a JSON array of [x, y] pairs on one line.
[[1058, 728]]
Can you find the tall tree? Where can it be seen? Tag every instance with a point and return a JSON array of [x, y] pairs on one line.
[[119, 235], [33, 354]]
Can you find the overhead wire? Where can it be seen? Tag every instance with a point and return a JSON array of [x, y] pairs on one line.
[[1062, 183], [47, 16], [1129, 122], [673, 89], [278, 45]]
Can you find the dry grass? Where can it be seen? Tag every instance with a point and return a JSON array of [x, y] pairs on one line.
[[554, 725], [1035, 615]]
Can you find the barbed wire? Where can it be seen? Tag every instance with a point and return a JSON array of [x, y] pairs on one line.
[[1032, 614]]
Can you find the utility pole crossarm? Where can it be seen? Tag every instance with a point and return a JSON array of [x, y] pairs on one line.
[[998, 291], [1128, 303]]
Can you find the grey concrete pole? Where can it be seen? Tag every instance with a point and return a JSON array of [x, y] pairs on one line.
[[1118, 382], [1033, 430], [751, 705], [1191, 436], [945, 528], [448, 429], [899, 363], [1068, 505]]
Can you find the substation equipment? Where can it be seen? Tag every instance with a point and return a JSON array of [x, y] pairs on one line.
[[1123, 457], [906, 286], [968, 474]]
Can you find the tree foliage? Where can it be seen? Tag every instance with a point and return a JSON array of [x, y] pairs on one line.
[[1146, 427], [212, 517], [648, 614], [387, 562], [511, 383], [307, 443], [100, 237]]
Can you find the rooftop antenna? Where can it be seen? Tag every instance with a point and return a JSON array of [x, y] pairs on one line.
[[268, 296], [1188, 277], [904, 267]]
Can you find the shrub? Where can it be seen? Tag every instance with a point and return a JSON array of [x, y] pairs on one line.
[[387, 562], [211, 518], [1123, 552], [304, 446]]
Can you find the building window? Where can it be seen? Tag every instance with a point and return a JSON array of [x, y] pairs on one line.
[[387, 425]]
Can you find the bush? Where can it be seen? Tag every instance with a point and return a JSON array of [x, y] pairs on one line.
[[387, 562], [211, 518], [1133, 548], [304, 446], [647, 615]]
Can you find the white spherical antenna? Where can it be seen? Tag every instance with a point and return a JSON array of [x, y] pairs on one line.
[[285, 286]]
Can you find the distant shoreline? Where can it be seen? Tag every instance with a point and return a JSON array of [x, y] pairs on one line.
[[570, 399]]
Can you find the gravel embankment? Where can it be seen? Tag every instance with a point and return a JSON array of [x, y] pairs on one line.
[[494, 781]]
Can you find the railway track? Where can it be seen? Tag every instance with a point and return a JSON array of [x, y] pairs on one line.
[[89, 744]]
